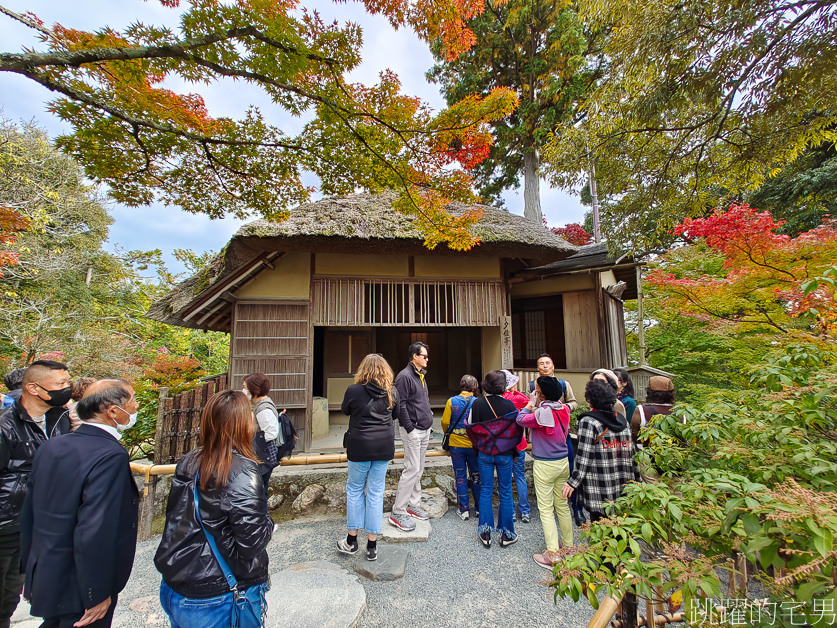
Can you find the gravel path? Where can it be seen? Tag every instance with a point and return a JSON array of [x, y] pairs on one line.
[[451, 580]]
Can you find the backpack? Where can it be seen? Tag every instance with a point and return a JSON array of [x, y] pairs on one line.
[[289, 438]]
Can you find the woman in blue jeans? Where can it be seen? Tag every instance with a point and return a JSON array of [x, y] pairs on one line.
[[462, 455], [493, 429], [372, 405], [224, 475]]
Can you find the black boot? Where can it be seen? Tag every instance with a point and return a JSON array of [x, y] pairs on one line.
[[578, 516]]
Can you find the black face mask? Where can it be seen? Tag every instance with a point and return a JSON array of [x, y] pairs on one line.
[[58, 397]]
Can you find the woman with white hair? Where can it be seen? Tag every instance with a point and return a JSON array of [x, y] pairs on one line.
[[609, 377]]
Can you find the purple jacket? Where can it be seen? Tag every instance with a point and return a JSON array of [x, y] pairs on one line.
[[549, 425]]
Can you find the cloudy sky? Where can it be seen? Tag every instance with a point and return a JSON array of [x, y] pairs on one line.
[[167, 228]]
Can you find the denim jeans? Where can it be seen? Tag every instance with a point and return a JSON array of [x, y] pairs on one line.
[[188, 612], [571, 457], [519, 476], [503, 466], [366, 510], [465, 464]]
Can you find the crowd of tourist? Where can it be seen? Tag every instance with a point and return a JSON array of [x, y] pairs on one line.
[[486, 436], [69, 504]]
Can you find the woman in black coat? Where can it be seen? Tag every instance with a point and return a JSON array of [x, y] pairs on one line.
[[223, 475], [372, 405]]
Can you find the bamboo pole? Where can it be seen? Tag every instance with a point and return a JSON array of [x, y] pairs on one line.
[[607, 608], [659, 620], [649, 612], [149, 470]]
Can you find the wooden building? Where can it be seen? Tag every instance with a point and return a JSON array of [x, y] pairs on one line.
[[572, 309], [305, 299]]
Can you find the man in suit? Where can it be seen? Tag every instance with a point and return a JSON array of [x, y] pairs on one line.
[[79, 520]]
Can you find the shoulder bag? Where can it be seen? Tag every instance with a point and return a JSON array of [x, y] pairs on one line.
[[453, 426], [249, 606]]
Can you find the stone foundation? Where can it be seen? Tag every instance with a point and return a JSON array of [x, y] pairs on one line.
[[304, 490]]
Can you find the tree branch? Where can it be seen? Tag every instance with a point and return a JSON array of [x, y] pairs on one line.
[[26, 20], [77, 58]]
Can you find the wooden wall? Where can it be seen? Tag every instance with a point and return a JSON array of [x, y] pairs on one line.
[[274, 338], [581, 330]]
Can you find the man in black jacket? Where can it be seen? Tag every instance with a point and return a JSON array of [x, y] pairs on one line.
[[416, 419], [79, 522], [38, 415]]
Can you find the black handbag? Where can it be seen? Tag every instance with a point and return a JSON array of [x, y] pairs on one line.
[[265, 450], [453, 426]]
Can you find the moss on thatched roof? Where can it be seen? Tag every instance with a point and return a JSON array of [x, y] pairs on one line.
[[371, 217], [363, 224]]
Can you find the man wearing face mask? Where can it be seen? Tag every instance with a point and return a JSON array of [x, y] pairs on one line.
[[38, 415], [79, 521]]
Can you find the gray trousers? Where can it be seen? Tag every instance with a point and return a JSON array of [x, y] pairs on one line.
[[409, 486]]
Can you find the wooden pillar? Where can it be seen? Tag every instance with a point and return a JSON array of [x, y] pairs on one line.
[[158, 429], [147, 505], [147, 509], [640, 316], [604, 354]]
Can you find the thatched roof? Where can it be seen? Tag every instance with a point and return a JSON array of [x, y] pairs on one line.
[[357, 224], [591, 257]]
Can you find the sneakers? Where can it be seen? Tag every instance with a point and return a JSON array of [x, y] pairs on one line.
[[525, 518], [372, 553], [485, 538], [463, 514], [546, 560], [505, 541], [417, 512], [402, 522], [346, 548]]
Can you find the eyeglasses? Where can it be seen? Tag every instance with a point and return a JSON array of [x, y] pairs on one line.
[[423, 355]]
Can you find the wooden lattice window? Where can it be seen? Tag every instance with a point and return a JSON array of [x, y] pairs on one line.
[[398, 303]]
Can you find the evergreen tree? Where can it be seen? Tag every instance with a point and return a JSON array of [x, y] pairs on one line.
[[542, 51]]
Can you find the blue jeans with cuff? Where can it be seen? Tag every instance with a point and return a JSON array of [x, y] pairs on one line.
[[365, 495]]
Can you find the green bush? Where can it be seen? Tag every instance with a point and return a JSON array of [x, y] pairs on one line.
[[751, 472]]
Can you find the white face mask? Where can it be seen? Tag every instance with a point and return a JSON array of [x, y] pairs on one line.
[[247, 392], [132, 420]]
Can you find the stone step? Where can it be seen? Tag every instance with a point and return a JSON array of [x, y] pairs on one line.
[[391, 563], [340, 597], [393, 535]]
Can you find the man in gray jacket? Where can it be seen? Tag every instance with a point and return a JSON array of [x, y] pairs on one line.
[[416, 419]]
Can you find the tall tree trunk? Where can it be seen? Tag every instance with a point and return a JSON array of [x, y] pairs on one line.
[[531, 187]]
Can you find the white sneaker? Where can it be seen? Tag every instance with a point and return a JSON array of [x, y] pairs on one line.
[[463, 514]]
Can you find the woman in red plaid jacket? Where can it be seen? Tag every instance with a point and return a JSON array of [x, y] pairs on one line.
[[604, 461]]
